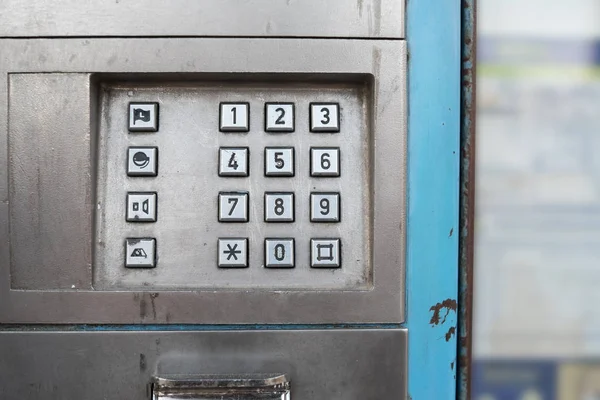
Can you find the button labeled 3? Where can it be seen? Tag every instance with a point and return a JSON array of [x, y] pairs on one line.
[[325, 207], [143, 117], [279, 207], [279, 161], [279, 253], [141, 207], [142, 161], [324, 117], [325, 253], [140, 253], [234, 161], [324, 161], [233, 252], [233, 207], [234, 117], [279, 117]]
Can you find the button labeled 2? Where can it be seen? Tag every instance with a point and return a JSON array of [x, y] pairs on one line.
[[279, 117], [141, 207], [233, 207]]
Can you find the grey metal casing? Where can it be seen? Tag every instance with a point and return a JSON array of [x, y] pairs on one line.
[[48, 144], [333, 364]]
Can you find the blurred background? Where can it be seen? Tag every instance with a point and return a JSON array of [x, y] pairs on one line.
[[537, 235]]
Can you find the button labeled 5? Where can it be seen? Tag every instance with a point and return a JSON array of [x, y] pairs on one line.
[[141, 207], [233, 207], [279, 161]]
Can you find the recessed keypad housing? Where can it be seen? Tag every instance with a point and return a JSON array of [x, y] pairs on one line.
[[260, 186]]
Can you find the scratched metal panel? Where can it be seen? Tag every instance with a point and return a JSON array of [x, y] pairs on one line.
[[143, 18], [433, 208], [321, 364]]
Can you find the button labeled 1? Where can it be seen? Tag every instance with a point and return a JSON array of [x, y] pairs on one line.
[[140, 253], [233, 161], [233, 207], [279, 161], [233, 252], [234, 117], [141, 207], [142, 161], [325, 253], [279, 253], [324, 161], [325, 207], [143, 117], [279, 117], [324, 117], [279, 207]]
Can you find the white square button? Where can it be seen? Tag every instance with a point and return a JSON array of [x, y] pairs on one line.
[[141, 207], [233, 252], [325, 253], [279, 253], [234, 117], [324, 117], [324, 161], [234, 161], [279, 207], [279, 117], [233, 207], [142, 161], [140, 253], [279, 161], [143, 117], [325, 207]]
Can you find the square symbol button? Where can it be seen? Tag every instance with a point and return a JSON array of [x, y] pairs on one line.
[[279, 117], [324, 161], [141, 207], [234, 117], [142, 161], [140, 253], [279, 253], [279, 207], [143, 117], [233, 207], [234, 161], [325, 207], [324, 117], [279, 161], [325, 253], [233, 252]]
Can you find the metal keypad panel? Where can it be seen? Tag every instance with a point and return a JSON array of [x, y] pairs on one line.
[[256, 186]]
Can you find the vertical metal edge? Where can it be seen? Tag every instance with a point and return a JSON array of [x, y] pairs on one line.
[[434, 40], [467, 199]]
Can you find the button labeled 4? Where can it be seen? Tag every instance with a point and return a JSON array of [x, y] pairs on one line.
[[234, 161]]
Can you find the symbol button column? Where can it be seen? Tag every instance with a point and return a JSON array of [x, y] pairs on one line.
[[233, 252], [141, 207]]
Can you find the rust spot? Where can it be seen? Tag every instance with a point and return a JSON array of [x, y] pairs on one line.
[[143, 363], [448, 305], [451, 332]]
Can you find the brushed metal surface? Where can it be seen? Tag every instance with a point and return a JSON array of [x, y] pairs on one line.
[[313, 60], [296, 18], [320, 364]]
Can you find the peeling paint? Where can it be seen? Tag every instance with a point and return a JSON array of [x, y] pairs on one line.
[[451, 332], [447, 306]]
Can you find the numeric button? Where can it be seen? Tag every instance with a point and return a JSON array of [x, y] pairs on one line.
[[279, 207], [234, 117], [325, 207], [233, 207], [324, 161], [279, 161], [234, 161], [279, 117], [279, 253], [324, 117]]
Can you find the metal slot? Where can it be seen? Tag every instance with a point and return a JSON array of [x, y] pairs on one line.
[[222, 387]]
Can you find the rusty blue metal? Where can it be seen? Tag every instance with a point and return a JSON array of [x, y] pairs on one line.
[[467, 199]]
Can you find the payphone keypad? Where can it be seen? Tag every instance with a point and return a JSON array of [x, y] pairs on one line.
[[299, 148]]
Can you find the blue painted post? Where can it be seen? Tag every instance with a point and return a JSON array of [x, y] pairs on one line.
[[434, 43]]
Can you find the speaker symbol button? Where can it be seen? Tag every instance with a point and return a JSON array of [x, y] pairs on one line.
[[141, 206]]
